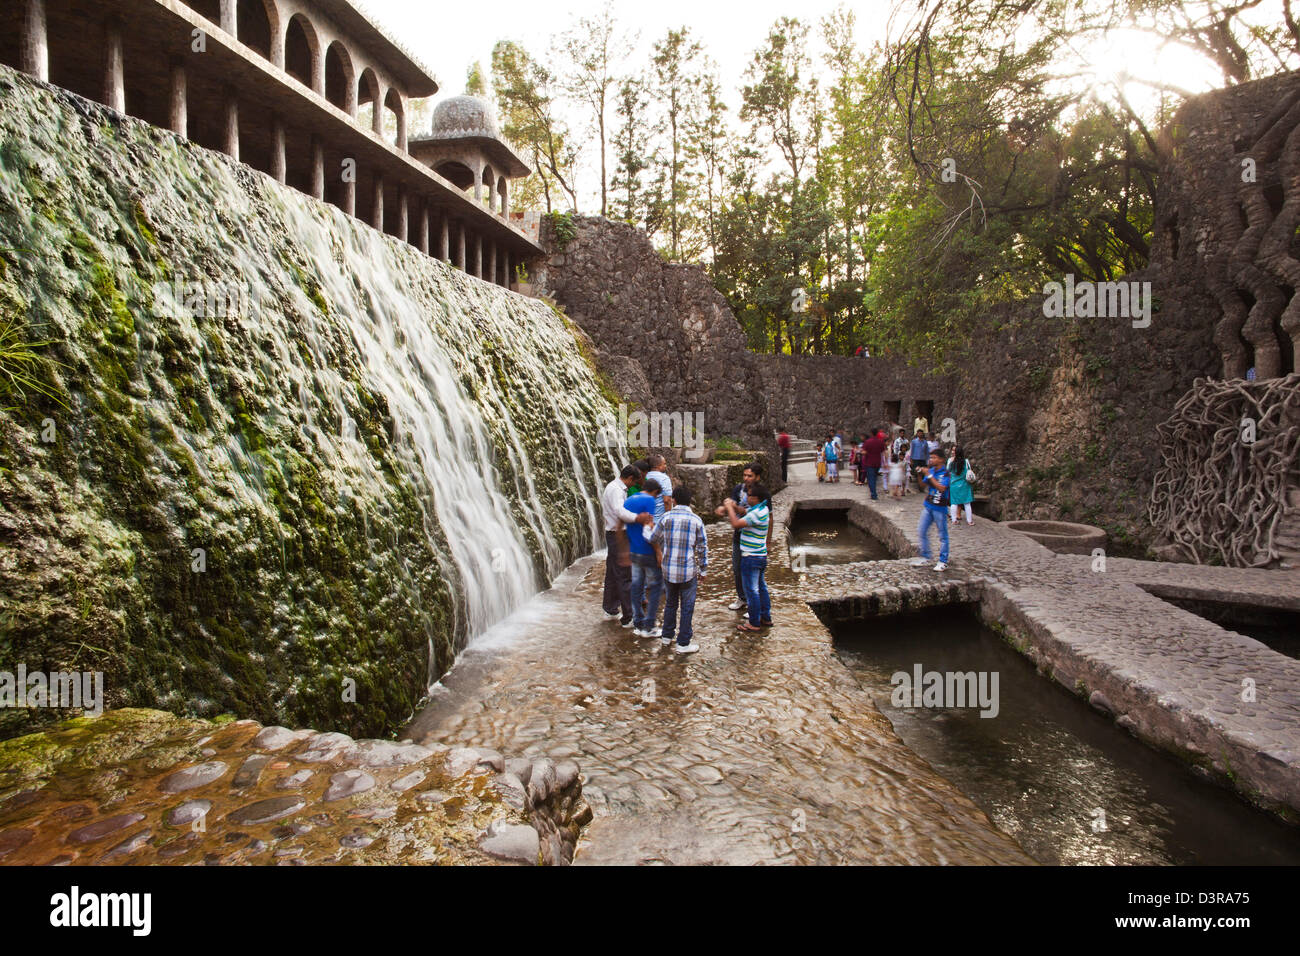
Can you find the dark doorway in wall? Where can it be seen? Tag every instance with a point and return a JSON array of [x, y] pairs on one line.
[[925, 409], [894, 411]]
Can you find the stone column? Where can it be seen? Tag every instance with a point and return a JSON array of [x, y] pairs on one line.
[[34, 44], [460, 247], [114, 70], [492, 263], [476, 257], [478, 182], [401, 125], [317, 169], [444, 239], [422, 230], [377, 117], [377, 209], [318, 77], [178, 111], [505, 199], [230, 132], [229, 15], [279, 166], [403, 215]]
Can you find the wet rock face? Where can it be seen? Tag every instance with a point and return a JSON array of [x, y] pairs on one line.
[[254, 496], [419, 804]]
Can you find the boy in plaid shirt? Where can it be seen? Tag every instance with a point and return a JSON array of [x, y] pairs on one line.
[[685, 558]]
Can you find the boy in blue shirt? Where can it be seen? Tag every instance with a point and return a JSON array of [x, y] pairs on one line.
[[934, 483], [647, 577]]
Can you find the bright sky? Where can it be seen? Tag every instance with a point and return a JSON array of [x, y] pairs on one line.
[[449, 37]]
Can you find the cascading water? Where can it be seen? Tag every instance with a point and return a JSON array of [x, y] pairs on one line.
[[363, 463]]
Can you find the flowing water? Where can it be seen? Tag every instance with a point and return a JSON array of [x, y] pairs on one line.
[[1060, 778], [759, 749], [830, 538]]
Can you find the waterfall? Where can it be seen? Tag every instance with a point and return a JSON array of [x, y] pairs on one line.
[[291, 452]]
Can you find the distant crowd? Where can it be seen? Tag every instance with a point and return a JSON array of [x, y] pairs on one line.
[[942, 473]]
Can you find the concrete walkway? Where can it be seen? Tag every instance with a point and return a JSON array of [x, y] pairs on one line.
[[1222, 701]]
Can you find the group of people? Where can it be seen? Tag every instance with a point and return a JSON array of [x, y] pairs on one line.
[[657, 552], [941, 473]]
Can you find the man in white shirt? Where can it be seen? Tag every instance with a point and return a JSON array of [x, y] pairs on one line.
[[617, 597]]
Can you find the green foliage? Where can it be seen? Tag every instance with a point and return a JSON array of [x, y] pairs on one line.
[[562, 228], [23, 365]]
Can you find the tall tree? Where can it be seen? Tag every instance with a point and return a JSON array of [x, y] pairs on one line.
[[593, 50], [525, 99], [676, 88], [631, 149]]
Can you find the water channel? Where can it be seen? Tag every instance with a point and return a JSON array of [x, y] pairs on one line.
[[1068, 784]]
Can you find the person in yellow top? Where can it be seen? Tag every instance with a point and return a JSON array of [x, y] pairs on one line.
[[920, 425]]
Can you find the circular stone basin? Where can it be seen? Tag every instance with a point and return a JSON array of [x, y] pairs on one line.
[[1063, 537]]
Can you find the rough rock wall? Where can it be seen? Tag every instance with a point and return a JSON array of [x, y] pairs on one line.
[[811, 395], [663, 333]]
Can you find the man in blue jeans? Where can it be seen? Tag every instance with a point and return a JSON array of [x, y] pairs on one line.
[[919, 452], [934, 481], [686, 557], [753, 528], [647, 579]]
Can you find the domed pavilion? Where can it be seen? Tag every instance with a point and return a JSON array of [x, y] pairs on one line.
[[466, 148]]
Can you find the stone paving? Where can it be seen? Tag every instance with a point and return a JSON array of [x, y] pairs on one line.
[[1174, 679], [145, 787]]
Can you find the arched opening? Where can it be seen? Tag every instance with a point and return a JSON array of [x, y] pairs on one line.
[[501, 196], [253, 22], [395, 120], [367, 98], [488, 180], [339, 88], [458, 174], [209, 9], [300, 50]]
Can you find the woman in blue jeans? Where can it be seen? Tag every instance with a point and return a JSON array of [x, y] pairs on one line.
[[753, 526]]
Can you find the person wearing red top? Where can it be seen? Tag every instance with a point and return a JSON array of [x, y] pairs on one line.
[[872, 450], [783, 442]]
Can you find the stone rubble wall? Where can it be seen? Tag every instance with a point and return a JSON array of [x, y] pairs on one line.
[[814, 394], [663, 334]]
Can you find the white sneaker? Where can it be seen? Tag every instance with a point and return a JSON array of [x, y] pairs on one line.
[[630, 623], [735, 605], [691, 648], [919, 562], [665, 641], [941, 566], [654, 632], [610, 617], [638, 632]]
